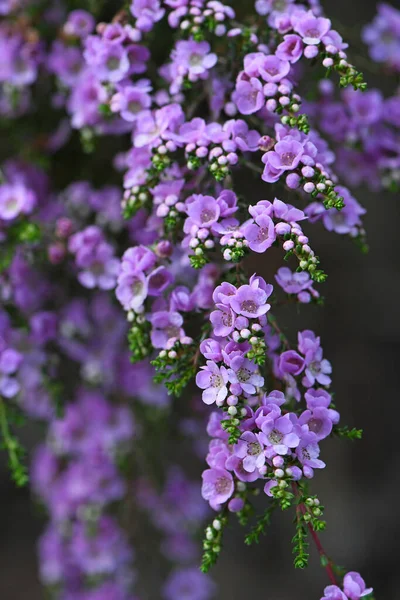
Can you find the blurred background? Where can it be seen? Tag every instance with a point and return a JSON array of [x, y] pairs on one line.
[[360, 330]]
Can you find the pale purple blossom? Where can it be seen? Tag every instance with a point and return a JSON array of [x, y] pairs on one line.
[[213, 380]]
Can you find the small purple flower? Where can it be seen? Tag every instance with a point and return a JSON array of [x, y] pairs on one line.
[[317, 368], [10, 361], [153, 125], [286, 154], [15, 199], [243, 375], [251, 449], [293, 283], [211, 349], [273, 69], [147, 12], [290, 362], [158, 281], [187, 584], [278, 433], [167, 328], [354, 586], [248, 96], [80, 23], [307, 452], [333, 592], [291, 49], [318, 421], [203, 211], [312, 29], [131, 101], [193, 59], [217, 486], [260, 234], [251, 300], [132, 290], [223, 320], [213, 379]]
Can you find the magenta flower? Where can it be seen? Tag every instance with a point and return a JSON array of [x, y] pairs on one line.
[[217, 487], [213, 379]]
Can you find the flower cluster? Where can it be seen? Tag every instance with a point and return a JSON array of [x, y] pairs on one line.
[[76, 476], [126, 220], [382, 36]]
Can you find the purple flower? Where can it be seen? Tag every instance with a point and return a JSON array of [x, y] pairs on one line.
[[211, 349], [333, 592], [273, 69], [312, 29], [158, 281], [346, 220], [307, 452], [188, 584], [251, 300], [354, 586], [131, 101], [291, 49], [153, 125], [293, 283], [217, 486], [249, 96], [15, 199], [251, 449], [203, 211], [278, 433], [318, 421], [167, 328], [80, 23], [260, 234], [286, 154], [147, 12], [132, 290], [213, 379], [137, 259], [290, 362], [317, 368], [193, 58], [10, 361], [243, 375], [223, 320]]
